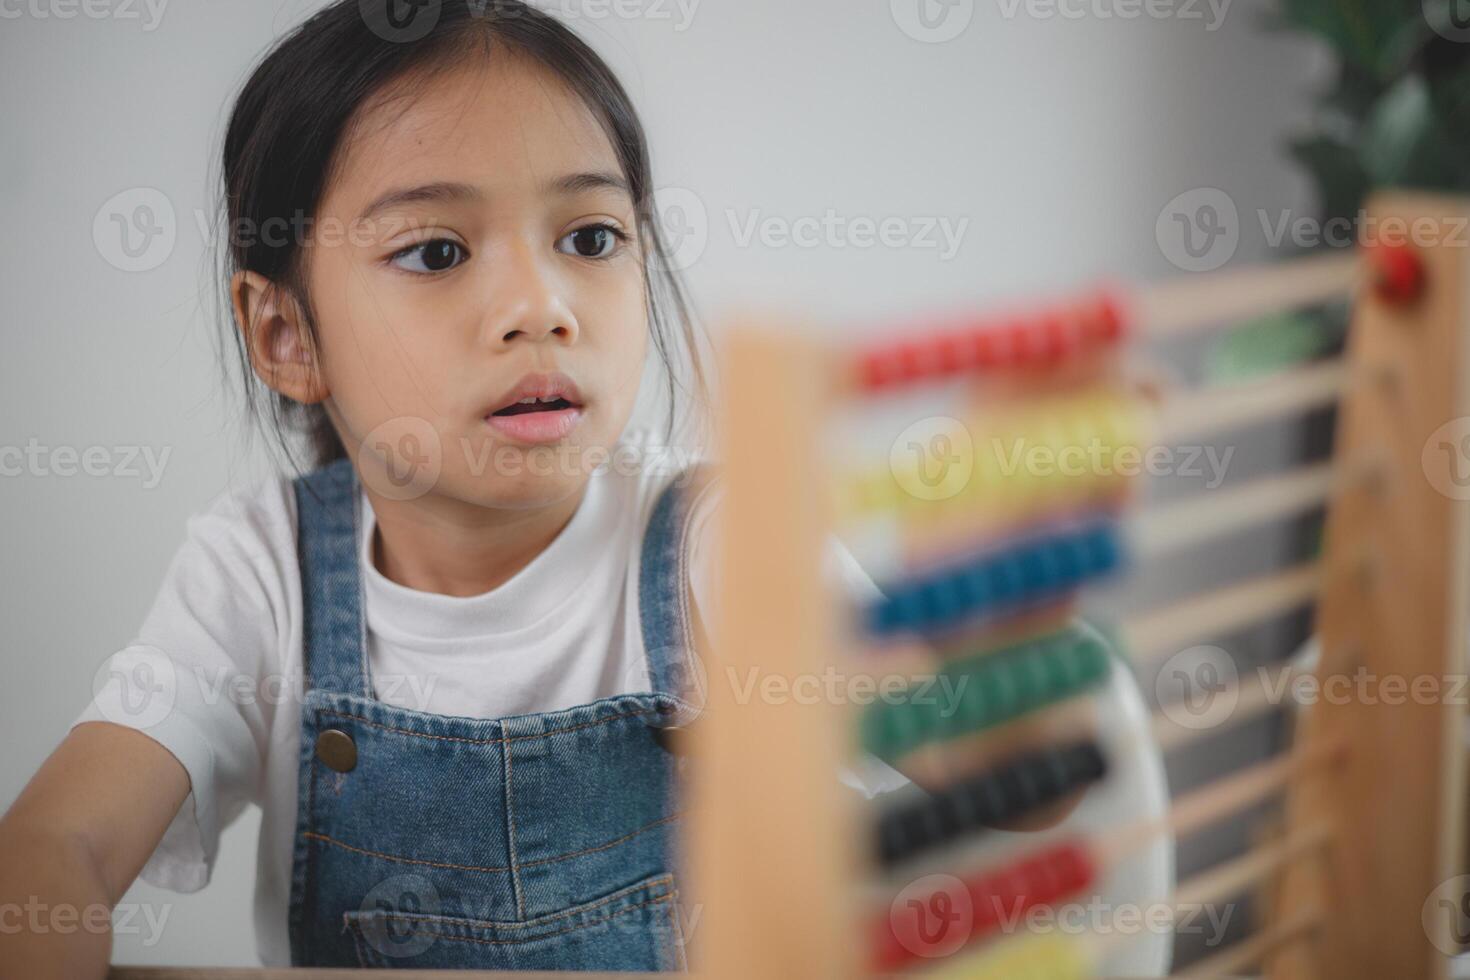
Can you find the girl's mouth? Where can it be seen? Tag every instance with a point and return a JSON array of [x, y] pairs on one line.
[[530, 405], [533, 424], [541, 408]]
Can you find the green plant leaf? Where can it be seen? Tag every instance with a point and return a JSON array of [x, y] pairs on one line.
[[1341, 181], [1356, 91], [1270, 344], [1377, 35], [1402, 143], [1449, 91]]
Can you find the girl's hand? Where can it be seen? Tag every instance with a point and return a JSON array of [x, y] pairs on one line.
[[72, 844]]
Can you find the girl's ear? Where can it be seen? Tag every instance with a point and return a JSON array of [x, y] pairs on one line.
[[276, 334]]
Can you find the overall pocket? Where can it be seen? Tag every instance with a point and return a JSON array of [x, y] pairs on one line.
[[633, 929]]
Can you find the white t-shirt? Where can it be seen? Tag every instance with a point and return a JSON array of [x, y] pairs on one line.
[[215, 672]]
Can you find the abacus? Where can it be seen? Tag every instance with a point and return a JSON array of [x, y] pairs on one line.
[[796, 876]]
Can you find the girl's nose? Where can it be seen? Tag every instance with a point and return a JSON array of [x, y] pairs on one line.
[[527, 304]]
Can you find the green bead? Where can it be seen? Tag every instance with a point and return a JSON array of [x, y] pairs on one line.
[[994, 688]]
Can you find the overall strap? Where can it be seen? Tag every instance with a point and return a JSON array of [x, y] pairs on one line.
[[668, 621], [334, 637]]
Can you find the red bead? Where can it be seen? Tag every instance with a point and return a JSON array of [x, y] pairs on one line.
[[1022, 343], [1105, 325], [926, 355], [877, 369], [954, 353], [1398, 272], [983, 343], [1045, 878], [1056, 333], [910, 361]]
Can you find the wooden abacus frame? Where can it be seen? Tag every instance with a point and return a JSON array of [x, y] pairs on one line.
[[775, 861]]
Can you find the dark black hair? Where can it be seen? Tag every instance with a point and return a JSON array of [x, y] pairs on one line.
[[290, 118]]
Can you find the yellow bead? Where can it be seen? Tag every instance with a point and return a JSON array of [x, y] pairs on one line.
[[1049, 956]]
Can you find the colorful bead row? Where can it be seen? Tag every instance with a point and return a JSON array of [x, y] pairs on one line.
[[1021, 786], [1040, 339], [1015, 461], [924, 927], [991, 689], [1044, 567]]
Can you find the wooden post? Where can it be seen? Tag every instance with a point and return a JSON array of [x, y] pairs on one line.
[[771, 837], [1392, 614]]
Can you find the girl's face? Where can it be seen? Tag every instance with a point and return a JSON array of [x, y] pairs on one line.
[[486, 252]]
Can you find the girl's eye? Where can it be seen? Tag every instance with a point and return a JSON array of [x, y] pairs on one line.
[[592, 241], [436, 255]]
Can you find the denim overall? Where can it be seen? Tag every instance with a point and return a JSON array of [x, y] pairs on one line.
[[534, 842]]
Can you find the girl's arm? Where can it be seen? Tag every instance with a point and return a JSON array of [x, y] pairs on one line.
[[72, 844]]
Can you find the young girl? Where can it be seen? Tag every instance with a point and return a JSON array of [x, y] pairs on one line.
[[447, 661], [444, 663]]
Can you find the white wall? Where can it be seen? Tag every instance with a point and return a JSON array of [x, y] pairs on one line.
[[1057, 139]]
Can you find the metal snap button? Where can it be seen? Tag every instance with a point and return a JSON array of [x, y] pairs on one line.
[[671, 740], [337, 750]]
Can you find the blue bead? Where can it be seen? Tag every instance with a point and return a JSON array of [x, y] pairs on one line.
[[976, 587], [1031, 565], [1005, 580], [880, 617], [1070, 564], [941, 600], [910, 607], [1102, 549]]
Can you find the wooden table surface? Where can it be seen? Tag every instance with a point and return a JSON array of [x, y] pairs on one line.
[[256, 973], [248, 973]]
